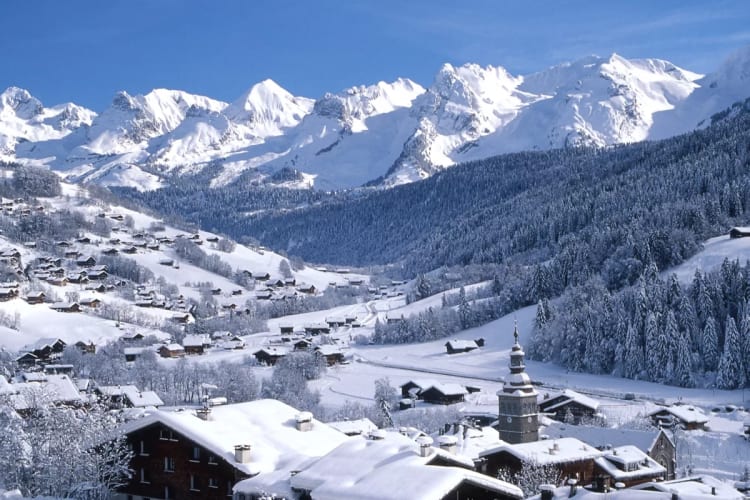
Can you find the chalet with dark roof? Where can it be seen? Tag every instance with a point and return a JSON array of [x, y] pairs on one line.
[[570, 405]]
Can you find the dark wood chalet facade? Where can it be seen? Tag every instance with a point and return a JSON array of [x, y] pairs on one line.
[[168, 465]]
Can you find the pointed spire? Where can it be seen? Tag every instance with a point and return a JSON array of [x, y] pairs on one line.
[[515, 330]]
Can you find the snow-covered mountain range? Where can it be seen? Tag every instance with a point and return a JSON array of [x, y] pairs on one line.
[[395, 132]]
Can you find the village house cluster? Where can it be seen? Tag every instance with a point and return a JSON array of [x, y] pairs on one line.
[[267, 449]]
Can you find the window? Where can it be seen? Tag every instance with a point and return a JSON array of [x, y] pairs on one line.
[[167, 434], [213, 483], [142, 449], [196, 455], [167, 493], [194, 483], [144, 476], [168, 464], [212, 460]]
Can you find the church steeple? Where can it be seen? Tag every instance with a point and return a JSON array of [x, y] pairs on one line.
[[518, 414]]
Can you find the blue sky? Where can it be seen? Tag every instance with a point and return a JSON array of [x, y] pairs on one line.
[[85, 51]]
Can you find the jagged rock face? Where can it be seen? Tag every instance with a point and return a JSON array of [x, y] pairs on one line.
[[398, 131]]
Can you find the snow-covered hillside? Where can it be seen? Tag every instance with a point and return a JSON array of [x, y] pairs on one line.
[[147, 242], [398, 132]]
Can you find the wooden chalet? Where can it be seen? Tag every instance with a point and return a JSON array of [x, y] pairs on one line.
[[196, 344], [89, 261], [332, 354], [656, 444], [443, 394], [269, 355], [457, 346], [308, 289], [27, 360], [46, 348], [302, 344], [110, 251], [181, 318], [35, 297], [203, 454], [90, 302], [171, 351], [78, 278], [317, 328], [8, 294], [65, 307], [85, 348], [739, 232], [286, 329], [570, 406], [571, 457], [413, 388], [687, 417], [335, 321]]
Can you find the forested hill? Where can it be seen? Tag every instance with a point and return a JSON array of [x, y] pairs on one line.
[[609, 210]]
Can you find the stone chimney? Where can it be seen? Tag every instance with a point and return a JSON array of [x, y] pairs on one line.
[[448, 443], [547, 491], [425, 446], [203, 413], [242, 453], [377, 435], [573, 483], [303, 421]]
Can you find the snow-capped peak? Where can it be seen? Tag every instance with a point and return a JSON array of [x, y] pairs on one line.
[[397, 130], [268, 107], [20, 103]]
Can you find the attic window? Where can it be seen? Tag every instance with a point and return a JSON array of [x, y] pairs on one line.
[[167, 434], [196, 455]]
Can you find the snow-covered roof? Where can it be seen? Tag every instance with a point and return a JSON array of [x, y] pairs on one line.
[[174, 347], [354, 427], [447, 389], [422, 383], [53, 388], [387, 468], [623, 455], [267, 425], [470, 441], [195, 340], [462, 344], [694, 488], [40, 344], [685, 413], [142, 399], [550, 451], [604, 436], [579, 398], [328, 349]]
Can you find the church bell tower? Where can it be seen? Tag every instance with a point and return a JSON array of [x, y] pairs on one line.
[[518, 418]]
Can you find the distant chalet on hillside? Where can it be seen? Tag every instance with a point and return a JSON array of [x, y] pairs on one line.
[[739, 232]]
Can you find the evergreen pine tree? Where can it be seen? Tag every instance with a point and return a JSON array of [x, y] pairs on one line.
[[710, 345], [683, 373], [634, 360], [731, 373], [464, 309], [653, 357]]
